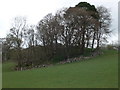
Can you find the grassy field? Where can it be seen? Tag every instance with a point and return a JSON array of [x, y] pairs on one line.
[[99, 72], [0, 75]]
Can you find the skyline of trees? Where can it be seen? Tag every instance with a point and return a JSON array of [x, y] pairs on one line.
[[68, 33]]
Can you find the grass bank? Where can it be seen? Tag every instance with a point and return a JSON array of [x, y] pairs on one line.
[[98, 72]]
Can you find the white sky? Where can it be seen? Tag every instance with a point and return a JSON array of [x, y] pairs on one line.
[[35, 10]]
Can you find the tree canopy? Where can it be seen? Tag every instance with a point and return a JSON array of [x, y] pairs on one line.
[[71, 32]]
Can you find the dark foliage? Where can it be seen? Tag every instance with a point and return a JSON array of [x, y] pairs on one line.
[[69, 33]]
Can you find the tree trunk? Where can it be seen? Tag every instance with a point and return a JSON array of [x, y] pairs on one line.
[[93, 41], [83, 42]]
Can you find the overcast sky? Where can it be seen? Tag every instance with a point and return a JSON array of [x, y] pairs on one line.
[[35, 10]]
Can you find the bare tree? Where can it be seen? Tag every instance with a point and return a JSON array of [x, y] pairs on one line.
[[105, 22], [82, 24], [16, 36]]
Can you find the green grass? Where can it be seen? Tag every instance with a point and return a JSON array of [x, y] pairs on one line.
[[0, 75], [99, 72]]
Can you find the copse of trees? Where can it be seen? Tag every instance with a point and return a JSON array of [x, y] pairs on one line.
[[68, 33]]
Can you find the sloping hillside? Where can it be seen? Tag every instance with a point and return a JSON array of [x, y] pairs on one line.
[[98, 72]]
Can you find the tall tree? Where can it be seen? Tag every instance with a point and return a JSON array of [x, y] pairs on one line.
[[94, 15], [105, 22], [17, 36]]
